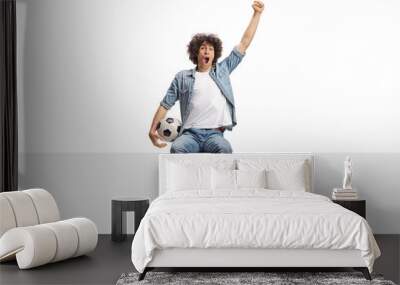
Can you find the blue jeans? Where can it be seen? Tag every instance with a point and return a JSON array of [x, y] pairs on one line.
[[201, 140]]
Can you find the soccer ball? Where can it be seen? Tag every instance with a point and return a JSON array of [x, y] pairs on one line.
[[169, 128]]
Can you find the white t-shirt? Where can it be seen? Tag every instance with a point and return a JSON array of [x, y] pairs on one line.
[[208, 107]]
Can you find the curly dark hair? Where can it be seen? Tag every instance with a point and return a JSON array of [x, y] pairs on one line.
[[196, 42]]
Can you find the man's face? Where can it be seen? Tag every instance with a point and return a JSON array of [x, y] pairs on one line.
[[205, 56]]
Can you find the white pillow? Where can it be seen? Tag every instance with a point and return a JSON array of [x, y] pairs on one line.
[[183, 177], [251, 178], [223, 179], [282, 174], [289, 179]]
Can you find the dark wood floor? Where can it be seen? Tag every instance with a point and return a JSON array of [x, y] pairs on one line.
[[110, 260], [102, 266]]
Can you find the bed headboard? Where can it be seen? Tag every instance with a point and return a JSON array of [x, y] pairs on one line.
[[163, 160]]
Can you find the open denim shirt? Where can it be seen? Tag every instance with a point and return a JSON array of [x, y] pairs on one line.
[[181, 87]]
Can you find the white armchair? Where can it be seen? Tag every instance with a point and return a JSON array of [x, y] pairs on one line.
[[31, 230]]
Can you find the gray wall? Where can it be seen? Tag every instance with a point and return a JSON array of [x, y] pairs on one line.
[[319, 76]]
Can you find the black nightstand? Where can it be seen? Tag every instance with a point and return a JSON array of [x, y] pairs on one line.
[[357, 206], [119, 207]]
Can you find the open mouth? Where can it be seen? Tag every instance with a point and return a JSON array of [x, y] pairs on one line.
[[206, 60]]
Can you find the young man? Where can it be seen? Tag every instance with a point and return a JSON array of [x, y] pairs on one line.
[[205, 94]]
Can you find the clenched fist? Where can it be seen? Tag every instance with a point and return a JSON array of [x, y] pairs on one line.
[[258, 6], [155, 139]]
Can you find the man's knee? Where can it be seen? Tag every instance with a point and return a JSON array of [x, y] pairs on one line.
[[225, 148], [184, 145], [179, 148], [218, 145]]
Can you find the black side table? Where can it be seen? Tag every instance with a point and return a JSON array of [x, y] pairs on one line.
[[119, 207], [357, 206]]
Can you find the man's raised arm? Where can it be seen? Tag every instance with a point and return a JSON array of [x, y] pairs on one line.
[[248, 35]]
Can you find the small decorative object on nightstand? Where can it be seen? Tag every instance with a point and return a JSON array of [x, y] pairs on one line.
[[357, 206], [348, 173], [119, 207], [346, 192]]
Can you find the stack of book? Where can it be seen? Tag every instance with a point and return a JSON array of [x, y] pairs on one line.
[[344, 194]]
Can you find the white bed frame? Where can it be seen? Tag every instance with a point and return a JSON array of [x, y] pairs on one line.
[[245, 258]]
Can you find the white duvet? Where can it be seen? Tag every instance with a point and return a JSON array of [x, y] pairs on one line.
[[251, 218]]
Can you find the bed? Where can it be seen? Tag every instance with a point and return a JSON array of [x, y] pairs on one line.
[[245, 211]]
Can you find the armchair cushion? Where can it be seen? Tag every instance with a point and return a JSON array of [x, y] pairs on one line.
[[30, 230], [37, 245]]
